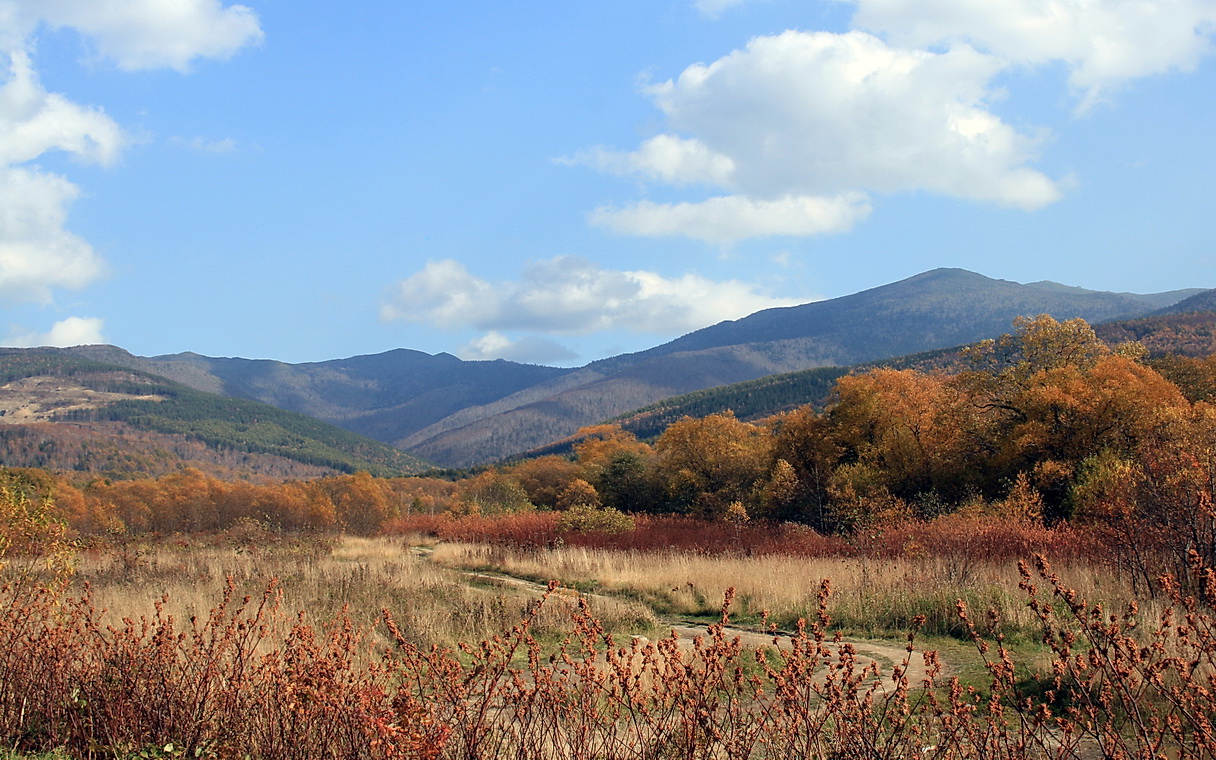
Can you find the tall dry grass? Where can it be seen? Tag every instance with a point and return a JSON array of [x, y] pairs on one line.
[[353, 576], [874, 596], [249, 680]]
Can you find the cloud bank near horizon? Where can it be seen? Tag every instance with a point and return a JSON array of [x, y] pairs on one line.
[[73, 331], [564, 296]]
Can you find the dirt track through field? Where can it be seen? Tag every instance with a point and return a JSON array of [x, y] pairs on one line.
[[882, 655]]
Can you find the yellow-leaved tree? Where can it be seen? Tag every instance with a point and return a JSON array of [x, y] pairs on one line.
[[36, 553]]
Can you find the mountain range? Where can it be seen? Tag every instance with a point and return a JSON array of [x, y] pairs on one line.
[[458, 413]]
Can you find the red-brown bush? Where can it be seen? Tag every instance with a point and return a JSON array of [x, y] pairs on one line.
[[250, 681], [978, 538]]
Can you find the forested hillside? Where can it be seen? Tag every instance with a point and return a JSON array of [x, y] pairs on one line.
[[1164, 337], [1048, 424], [68, 412], [934, 310], [383, 396]]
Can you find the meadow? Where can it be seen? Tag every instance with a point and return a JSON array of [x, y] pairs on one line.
[[417, 646]]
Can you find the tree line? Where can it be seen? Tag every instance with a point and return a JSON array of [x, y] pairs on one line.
[[1045, 424]]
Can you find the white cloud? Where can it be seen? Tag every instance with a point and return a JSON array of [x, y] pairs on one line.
[[152, 34], [37, 253], [443, 294], [666, 158], [800, 126], [1103, 43], [34, 121], [821, 113], [73, 331], [729, 219], [568, 296], [529, 349]]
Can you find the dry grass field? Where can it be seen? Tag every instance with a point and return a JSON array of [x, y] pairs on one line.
[[253, 644], [870, 596]]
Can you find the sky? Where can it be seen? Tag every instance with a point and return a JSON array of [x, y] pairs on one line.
[[557, 182]]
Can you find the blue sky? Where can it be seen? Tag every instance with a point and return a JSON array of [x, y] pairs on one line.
[[557, 182]]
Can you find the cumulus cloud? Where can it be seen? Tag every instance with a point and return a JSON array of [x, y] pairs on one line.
[[37, 252], [443, 294], [73, 331], [799, 127], [34, 121], [153, 34], [529, 349], [570, 296], [823, 113], [1102, 43], [666, 158]]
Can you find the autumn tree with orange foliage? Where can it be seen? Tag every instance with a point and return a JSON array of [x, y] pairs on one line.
[[492, 492], [804, 441], [599, 445], [619, 466], [1194, 376], [904, 433], [1053, 396], [704, 464], [545, 478]]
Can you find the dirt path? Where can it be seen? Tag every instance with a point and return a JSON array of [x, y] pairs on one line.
[[883, 655]]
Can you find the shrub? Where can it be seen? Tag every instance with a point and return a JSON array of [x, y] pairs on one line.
[[582, 518], [249, 680]]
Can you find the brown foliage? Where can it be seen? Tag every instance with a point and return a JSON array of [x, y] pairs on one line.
[[247, 680], [545, 478], [1195, 377], [598, 445], [704, 464]]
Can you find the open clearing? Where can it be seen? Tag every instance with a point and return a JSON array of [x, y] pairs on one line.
[[882, 656], [39, 399]]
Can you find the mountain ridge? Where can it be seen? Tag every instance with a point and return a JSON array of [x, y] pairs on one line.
[[459, 413], [935, 309]]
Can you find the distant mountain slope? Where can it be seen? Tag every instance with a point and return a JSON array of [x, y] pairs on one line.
[[458, 413], [383, 396], [94, 410], [1156, 300], [1187, 334], [937, 309], [1204, 300]]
